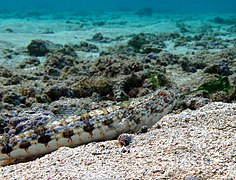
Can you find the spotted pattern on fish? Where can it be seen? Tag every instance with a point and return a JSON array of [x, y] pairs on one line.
[[97, 125]]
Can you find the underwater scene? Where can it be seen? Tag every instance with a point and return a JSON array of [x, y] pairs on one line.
[[117, 89]]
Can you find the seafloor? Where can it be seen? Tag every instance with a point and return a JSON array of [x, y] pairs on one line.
[[55, 65]]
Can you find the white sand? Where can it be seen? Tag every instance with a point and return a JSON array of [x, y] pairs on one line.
[[199, 143]]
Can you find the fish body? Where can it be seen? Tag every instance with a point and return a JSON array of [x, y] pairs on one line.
[[97, 125]]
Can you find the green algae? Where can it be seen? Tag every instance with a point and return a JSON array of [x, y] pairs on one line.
[[154, 81], [158, 79], [221, 83]]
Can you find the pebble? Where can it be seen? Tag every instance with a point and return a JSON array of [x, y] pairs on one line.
[[124, 139]]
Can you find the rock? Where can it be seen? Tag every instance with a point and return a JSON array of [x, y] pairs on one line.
[[13, 98], [59, 61], [162, 59], [58, 90], [51, 72], [124, 139], [39, 47], [15, 79], [222, 69], [4, 72], [150, 48], [66, 50], [30, 62], [86, 47], [138, 41], [87, 86], [111, 66], [198, 64], [97, 37], [186, 65]]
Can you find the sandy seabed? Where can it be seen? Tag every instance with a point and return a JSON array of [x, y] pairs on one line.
[[198, 144]]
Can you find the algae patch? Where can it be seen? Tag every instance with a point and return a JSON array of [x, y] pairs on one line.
[[220, 84]]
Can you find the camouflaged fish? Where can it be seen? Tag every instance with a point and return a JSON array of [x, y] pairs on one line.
[[96, 125]]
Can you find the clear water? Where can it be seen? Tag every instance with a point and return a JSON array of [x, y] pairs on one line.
[[174, 6]]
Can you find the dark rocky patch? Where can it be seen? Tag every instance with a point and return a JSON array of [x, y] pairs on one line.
[[40, 47], [4, 72], [58, 90], [59, 61], [30, 62], [13, 98], [146, 43], [221, 69], [111, 66], [186, 66], [86, 47], [98, 37], [66, 50], [87, 86]]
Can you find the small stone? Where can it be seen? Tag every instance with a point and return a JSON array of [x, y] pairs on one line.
[[124, 139]]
